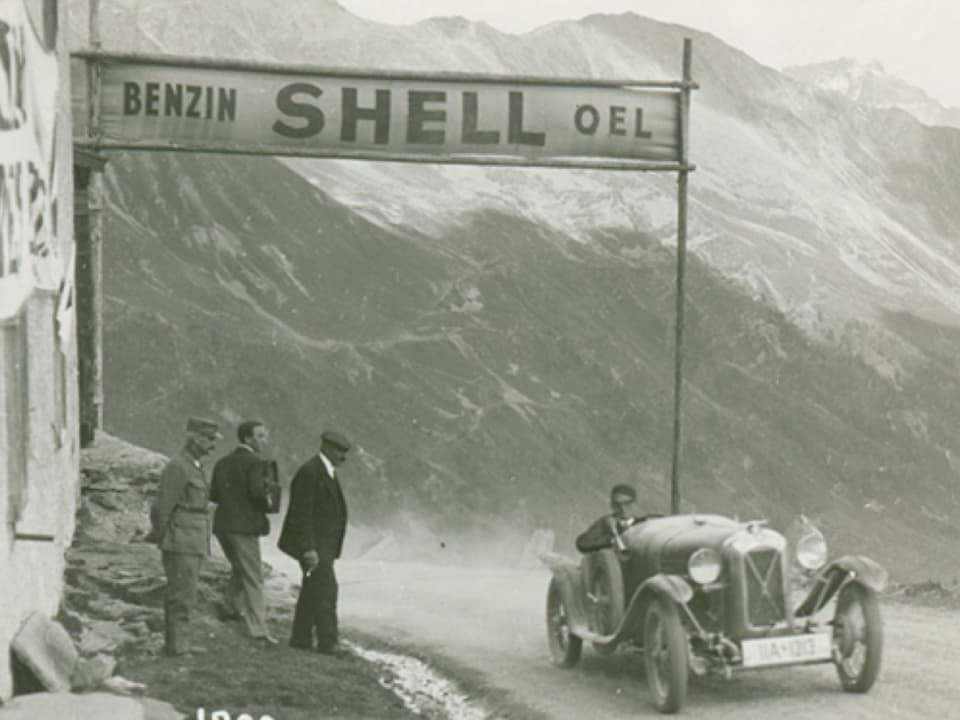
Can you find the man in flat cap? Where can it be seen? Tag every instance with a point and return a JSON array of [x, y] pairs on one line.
[[181, 527], [312, 534], [243, 486]]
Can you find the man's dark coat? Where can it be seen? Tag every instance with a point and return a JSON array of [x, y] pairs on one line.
[[241, 487], [599, 535], [317, 515]]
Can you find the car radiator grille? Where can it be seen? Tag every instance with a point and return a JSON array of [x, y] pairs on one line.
[[766, 604]]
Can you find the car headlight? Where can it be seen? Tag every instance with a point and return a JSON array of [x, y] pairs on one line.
[[811, 550], [704, 565]]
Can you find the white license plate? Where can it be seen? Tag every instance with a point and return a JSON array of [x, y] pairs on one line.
[[787, 649]]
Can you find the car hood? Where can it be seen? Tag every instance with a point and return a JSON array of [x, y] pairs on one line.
[[664, 544]]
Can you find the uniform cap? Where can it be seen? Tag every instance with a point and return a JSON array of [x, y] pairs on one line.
[[204, 427]]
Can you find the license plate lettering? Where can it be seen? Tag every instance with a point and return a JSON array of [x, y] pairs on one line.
[[786, 650]]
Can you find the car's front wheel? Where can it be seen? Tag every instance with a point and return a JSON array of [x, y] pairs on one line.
[[565, 647], [857, 637], [665, 655]]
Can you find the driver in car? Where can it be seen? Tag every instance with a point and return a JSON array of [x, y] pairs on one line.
[[604, 533]]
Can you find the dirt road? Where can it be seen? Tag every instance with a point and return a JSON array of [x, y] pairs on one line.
[[493, 621]]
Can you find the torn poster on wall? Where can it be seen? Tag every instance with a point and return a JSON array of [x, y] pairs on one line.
[[29, 88]]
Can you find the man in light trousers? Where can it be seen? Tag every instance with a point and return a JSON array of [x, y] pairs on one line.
[[242, 486]]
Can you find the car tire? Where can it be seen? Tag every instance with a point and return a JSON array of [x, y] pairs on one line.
[[565, 647], [858, 637], [665, 655], [606, 585]]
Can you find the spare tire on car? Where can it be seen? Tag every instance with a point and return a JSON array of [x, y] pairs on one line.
[[604, 582]]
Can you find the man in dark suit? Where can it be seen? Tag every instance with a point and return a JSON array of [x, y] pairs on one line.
[[605, 532], [241, 487], [312, 534]]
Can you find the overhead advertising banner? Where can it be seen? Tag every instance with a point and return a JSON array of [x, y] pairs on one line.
[[162, 103], [29, 87]]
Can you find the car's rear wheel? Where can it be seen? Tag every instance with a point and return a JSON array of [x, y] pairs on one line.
[[606, 588], [565, 647], [857, 637], [665, 655]]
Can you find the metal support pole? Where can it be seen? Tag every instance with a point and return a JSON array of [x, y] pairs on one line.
[[681, 262]]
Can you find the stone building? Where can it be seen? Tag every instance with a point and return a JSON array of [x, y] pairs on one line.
[[39, 440]]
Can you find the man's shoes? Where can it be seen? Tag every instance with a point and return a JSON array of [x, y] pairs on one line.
[[266, 639], [300, 646]]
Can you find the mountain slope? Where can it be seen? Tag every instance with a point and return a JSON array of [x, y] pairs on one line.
[[807, 199], [871, 85], [498, 341], [496, 380]]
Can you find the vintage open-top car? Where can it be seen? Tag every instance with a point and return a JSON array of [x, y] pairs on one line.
[[708, 594]]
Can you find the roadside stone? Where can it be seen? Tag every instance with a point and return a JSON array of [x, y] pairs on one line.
[[142, 590], [152, 644], [54, 706], [90, 674], [155, 622], [73, 622], [106, 500], [102, 636], [105, 608], [138, 629], [122, 686], [45, 647]]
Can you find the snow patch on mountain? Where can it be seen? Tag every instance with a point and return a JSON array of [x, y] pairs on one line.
[[803, 192], [869, 83]]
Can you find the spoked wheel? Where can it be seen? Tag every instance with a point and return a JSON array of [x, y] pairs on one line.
[[857, 638], [665, 656], [606, 587], [565, 647]]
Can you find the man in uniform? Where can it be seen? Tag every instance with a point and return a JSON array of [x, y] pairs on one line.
[[241, 487], [312, 534], [181, 527], [605, 531]]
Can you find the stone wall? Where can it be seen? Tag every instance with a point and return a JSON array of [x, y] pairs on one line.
[[39, 475]]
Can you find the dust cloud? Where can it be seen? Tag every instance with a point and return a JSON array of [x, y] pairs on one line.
[[406, 537]]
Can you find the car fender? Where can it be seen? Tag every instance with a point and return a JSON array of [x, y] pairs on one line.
[[842, 571], [672, 587]]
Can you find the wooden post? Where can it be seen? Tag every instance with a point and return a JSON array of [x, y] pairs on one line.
[[95, 208], [93, 27], [681, 262], [94, 72], [88, 230], [88, 234], [83, 285]]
